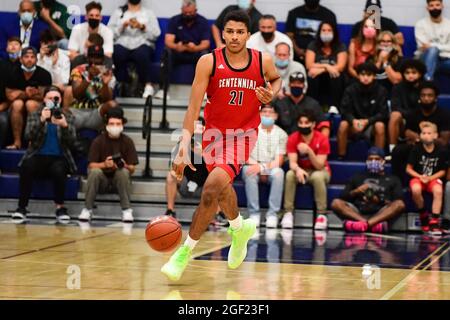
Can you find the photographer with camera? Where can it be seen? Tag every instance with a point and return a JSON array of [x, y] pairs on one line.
[[51, 135], [54, 60], [112, 160], [370, 199], [92, 89]]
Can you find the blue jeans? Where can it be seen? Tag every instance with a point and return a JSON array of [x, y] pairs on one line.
[[435, 63], [276, 180]]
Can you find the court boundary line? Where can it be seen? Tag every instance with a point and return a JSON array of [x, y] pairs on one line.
[[415, 271]]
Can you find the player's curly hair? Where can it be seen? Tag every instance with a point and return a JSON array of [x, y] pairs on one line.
[[238, 16]]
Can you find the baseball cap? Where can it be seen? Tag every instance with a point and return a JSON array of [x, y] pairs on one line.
[[29, 50]]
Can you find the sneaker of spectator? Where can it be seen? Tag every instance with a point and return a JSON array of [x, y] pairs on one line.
[[148, 91], [333, 110], [85, 215], [272, 222], [127, 215], [288, 221], [321, 222], [20, 214], [257, 218], [61, 214], [381, 227]]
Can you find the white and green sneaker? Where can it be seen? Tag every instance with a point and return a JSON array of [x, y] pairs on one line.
[[174, 268], [240, 237]]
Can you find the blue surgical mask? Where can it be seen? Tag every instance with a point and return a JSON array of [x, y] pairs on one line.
[[32, 69], [244, 4], [14, 55], [267, 121], [26, 18], [375, 166], [282, 64]]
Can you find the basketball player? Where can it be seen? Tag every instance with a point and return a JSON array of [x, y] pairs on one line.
[[237, 81]]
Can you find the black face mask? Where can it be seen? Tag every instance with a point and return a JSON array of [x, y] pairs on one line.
[[296, 91], [305, 131], [93, 23], [436, 13], [312, 4], [189, 18], [48, 3], [427, 106], [267, 35], [134, 2]]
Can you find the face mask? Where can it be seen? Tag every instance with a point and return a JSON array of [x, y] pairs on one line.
[[387, 49], [29, 70], [312, 4], [369, 33], [14, 55], [267, 121], [436, 13], [267, 35], [134, 2], [244, 4], [282, 64], [427, 106], [189, 18], [375, 166], [48, 3], [93, 23], [306, 131], [26, 18], [296, 91], [326, 37], [114, 131]]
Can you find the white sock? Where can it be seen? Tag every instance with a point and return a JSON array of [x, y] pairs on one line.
[[236, 223], [391, 147], [191, 243]]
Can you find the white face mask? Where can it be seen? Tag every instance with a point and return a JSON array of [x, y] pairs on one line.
[[114, 131]]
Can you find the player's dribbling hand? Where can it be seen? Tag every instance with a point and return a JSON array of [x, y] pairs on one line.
[[180, 162], [265, 95]]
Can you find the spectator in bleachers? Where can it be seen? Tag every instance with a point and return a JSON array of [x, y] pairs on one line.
[[363, 47], [55, 14], [385, 23], [93, 24], [56, 61], [264, 165], [94, 39], [112, 161], [445, 223], [405, 98], [433, 40], [303, 24], [267, 38], [136, 30], [24, 90], [308, 151], [428, 111], [370, 199], [295, 102], [388, 60], [427, 166], [246, 5], [326, 61], [27, 27], [187, 38], [13, 51], [92, 87], [51, 134], [285, 67], [364, 110], [4, 105]]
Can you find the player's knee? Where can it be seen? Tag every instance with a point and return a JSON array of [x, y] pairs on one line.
[[208, 196]]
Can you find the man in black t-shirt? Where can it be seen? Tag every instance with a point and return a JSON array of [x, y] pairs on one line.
[[24, 90], [385, 23], [246, 5], [303, 23], [405, 98], [428, 111], [370, 199]]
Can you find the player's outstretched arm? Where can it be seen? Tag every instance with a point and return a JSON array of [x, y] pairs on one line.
[[266, 95], [199, 86]]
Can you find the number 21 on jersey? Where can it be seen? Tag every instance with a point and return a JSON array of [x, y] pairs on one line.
[[237, 98]]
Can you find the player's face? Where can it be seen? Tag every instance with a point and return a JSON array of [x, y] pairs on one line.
[[235, 35]]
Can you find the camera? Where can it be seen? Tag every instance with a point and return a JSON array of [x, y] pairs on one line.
[[373, 195], [56, 110], [117, 158]]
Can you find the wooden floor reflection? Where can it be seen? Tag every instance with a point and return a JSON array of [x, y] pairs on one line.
[[35, 263]]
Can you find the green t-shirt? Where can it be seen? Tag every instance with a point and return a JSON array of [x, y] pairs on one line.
[[59, 14]]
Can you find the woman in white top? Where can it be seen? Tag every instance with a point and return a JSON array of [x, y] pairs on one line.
[[135, 31]]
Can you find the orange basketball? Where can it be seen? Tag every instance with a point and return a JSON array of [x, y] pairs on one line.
[[163, 233]]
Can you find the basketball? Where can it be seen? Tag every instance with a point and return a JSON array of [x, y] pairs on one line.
[[163, 233]]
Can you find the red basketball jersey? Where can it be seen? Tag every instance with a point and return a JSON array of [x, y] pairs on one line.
[[232, 101]]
